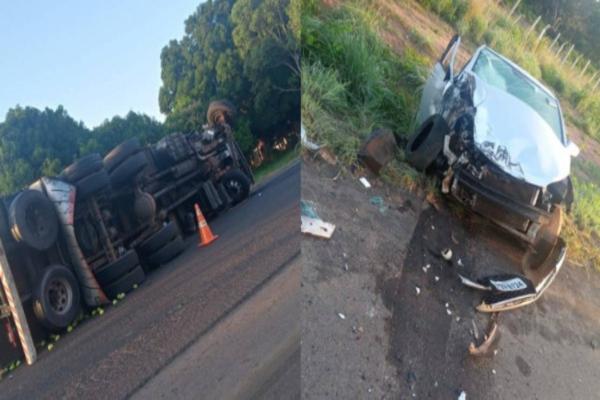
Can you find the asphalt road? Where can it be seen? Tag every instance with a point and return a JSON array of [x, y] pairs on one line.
[[217, 322]]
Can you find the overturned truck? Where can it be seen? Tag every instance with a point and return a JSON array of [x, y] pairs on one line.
[[93, 232]]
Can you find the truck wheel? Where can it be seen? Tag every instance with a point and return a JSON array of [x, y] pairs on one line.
[[82, 167], [115, 270], [220, 109], [33, 220], [56, 303], [167, 252], [128, 169], [125, 284], [158, 239], [237, 185], [92, 183], [121, 153], [426, 143]]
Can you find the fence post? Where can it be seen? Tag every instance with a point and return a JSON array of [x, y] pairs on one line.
[[568, 54], [593, 77], [532, 27], [512, 10], [587, 64], [560, 49], [540, 36], [596, 85], [554, 41], [16, 308], [576, 61]]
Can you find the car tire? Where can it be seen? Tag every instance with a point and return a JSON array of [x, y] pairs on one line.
[[92, 184], [237, 185], [121, 153], [113, 271], [83, 167], [219, 108], [166, 253], [427, 142], [158, 239], [126, 283], [33, 220], [56, 301], [128, 169]]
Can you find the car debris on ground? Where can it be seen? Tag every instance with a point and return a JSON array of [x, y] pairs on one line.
[[378, 150], [365, 182], [488, 339], [311, 223]]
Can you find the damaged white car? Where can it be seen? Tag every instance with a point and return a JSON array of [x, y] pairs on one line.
[[497, 137]]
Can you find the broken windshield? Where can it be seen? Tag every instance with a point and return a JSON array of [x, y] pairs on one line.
[[496, 72]]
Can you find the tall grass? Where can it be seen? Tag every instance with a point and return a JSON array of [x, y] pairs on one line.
[[352, 81]]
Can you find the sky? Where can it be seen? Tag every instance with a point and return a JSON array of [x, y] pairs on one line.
[[96, 58]]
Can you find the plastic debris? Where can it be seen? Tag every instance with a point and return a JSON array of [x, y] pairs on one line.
[[378, 201], [462, 395], [316, 227], [418, 290], [342, 316], [447, 254], [460, 263], [437, 278], [365, 182], [489, 338], [308, 209], [307, 143]]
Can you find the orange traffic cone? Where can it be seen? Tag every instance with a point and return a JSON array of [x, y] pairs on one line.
[[206, 235]]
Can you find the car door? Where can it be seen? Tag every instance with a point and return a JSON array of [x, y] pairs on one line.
[[438, 82]]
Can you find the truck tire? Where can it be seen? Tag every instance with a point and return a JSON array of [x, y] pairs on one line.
[[33, 220], [92, 183], [158, 239], [122, 152], [125, 284], [237, 185], [56, 300], [82, 167], [427, 142], [128, 169], [220, 108], [167, 252], [115, 270]]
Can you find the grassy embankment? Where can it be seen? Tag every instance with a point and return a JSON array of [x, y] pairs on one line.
[[353, 81]]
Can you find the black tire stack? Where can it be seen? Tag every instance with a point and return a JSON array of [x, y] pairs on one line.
[[125, 162], [120, 276], [162, 246], [88, 175]]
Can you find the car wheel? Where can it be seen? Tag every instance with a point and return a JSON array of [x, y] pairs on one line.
[[167, 252], [128, 169], [427, 142], [82, 167], [122, 152], [56, 299], [33, 220], [126, 283], [534, 262], [220, 109], [158, 239], [92, 184], [115, 270], [237, 185]]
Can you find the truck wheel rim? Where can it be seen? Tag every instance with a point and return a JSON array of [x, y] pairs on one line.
[[60, 295]]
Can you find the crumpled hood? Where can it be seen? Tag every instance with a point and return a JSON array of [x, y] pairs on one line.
[[517, 139]]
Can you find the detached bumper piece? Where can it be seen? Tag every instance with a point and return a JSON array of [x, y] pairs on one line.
[[507, 202], [507, 292]]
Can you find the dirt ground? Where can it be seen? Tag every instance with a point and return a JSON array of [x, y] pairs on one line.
[[395, 343]]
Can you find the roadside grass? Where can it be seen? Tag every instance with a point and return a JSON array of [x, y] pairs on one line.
[[280, 160], [352, 81]]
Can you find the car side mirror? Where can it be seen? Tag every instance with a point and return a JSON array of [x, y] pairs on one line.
[[572, 149]]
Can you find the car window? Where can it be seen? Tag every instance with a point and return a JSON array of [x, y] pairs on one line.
[[500, 74]]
